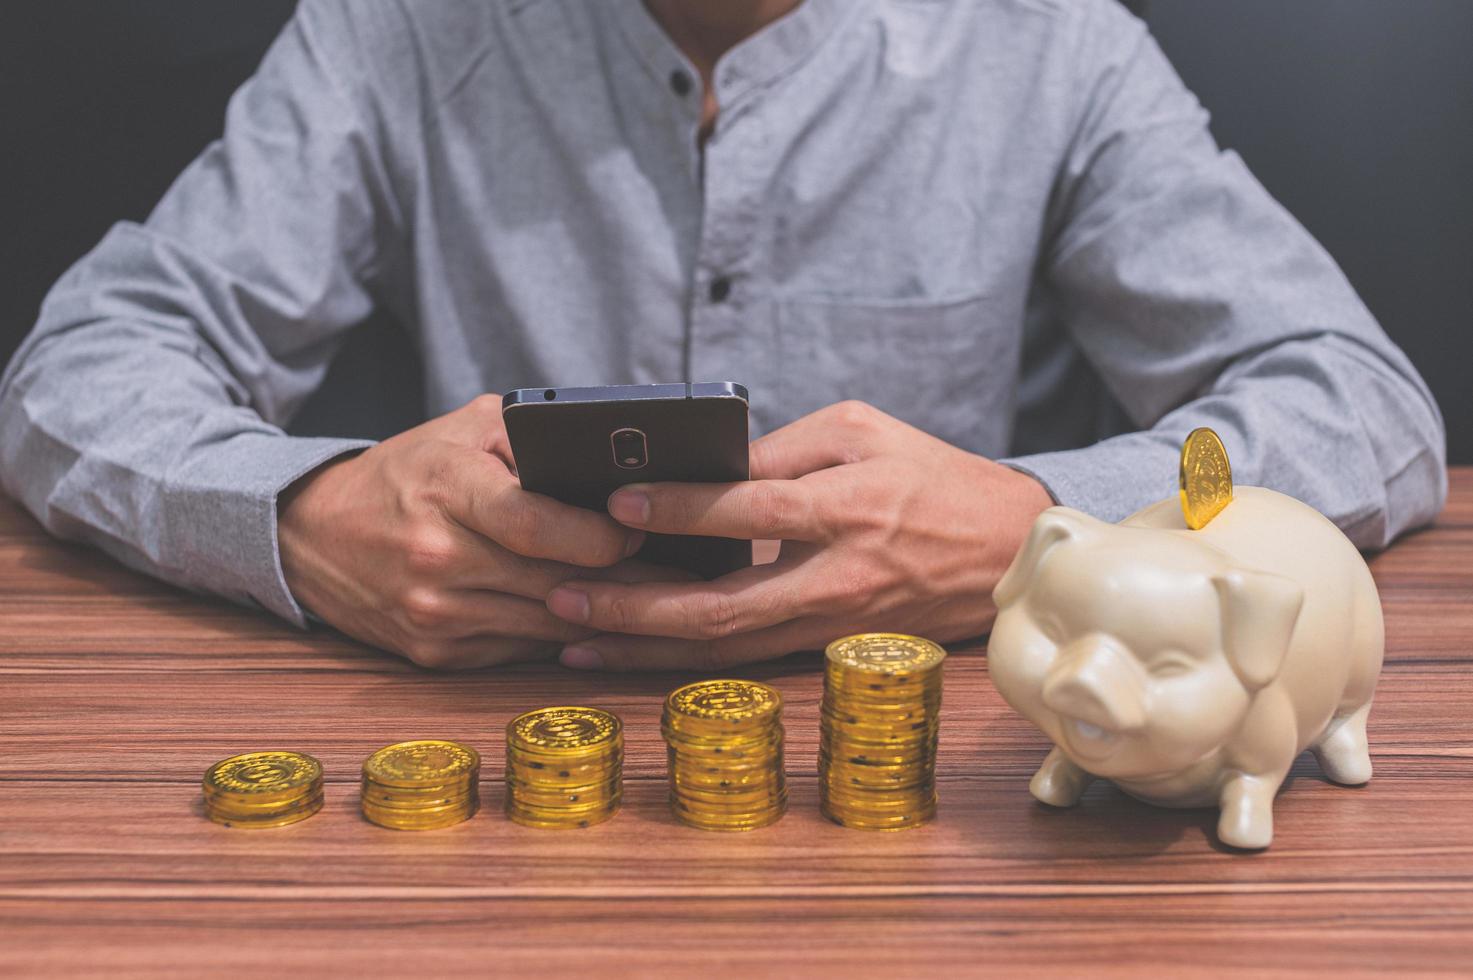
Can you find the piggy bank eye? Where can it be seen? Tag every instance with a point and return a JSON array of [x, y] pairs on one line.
[[1171, 665]]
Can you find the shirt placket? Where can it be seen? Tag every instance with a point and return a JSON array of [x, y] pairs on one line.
[[724, 326]]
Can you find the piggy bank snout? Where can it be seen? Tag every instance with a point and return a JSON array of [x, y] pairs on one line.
[[1098, 684]]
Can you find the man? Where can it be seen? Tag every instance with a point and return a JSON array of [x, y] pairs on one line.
[[905, 226]]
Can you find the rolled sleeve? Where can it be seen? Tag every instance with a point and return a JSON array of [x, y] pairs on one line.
[[144, 413], [221, 516], [1201, 302]]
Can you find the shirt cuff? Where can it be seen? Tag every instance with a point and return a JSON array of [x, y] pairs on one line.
[[1110, 480], [220, 514]]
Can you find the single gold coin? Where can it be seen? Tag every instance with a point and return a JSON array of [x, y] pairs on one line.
[[885, 653], [278, 817], [421, 762], [1206, 478], [563, 729], [731, 701], [262, 774]]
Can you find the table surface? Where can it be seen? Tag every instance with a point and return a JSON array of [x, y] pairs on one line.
[[117, 693]]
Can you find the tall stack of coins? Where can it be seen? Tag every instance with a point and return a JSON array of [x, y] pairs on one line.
[[878, 731], [421, 785], [725, 742], [564, 767], [263, 789]]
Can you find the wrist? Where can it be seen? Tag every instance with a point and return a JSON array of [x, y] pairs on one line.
[[302, 508]]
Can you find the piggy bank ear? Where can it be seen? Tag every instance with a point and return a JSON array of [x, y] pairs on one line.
[[1259, 611], [1055, 525]]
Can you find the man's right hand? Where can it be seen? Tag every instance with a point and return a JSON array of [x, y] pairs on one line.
[[427, 545]]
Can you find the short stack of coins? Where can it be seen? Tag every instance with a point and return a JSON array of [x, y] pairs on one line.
[[564, 767], [878, 731], [263, 789], [725, 741], [421, 785]]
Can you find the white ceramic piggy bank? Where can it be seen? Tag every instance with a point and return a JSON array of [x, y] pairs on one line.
[[1191, 667]]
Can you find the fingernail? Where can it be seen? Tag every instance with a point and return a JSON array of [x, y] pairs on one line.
[[635, 542], [581, 658], [630, 507], [569, 604]]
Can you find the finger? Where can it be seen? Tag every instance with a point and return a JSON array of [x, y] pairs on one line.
[[472, 652], [464, 612], [783, 509], [619, 652], [476, 562], [529, 523], [743, 601], [831, 436], [637, 571], [477, 423]]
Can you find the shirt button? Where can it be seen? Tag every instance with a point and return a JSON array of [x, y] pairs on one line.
[[680, 82], [720, 289]]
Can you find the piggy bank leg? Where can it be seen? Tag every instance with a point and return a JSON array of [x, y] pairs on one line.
[[1058, 781], [1247, 818], [1342, 751]]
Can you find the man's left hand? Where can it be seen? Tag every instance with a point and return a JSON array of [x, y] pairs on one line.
[[883, 528]]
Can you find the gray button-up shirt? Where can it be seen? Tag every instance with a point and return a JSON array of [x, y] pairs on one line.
[[948, 208]]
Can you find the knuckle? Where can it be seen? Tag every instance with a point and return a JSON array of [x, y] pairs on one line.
[[430, 552], [771, 510], [521, 523], [427, 653], [605, 549], [423, 611], [619, 614], [486, 404], [856, 414], [715, 617]]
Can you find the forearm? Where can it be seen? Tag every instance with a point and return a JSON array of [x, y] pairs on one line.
[[120, 434], [144, 412], [1324, 419], [1200, 301]]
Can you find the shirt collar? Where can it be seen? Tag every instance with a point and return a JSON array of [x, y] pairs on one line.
[[761, 59]]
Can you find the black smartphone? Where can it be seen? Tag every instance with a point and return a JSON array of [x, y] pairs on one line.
[[579, 445]]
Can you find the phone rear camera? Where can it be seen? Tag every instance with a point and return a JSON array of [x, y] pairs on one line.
[[631, 452]]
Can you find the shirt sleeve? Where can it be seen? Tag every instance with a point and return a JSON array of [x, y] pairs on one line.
[[1201, 301], [143, 413]]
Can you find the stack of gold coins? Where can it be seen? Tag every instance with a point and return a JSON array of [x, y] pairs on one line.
[[263, 789], [564, 767], [725, 742], [421, 785], [878, 731]]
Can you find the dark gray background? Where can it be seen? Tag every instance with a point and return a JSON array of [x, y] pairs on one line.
[[1357, 114]]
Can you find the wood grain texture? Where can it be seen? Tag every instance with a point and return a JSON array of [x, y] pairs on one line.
[[116, 693]]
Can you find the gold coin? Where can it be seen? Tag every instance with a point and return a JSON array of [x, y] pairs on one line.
[[885, 653], [437, 819], [732, 823], [422, 762], [258, 775], [729, 702], [903, 821], [1206, 478], [565, 772], [380, 796], [546, 818], [278, 817], [563, 729]]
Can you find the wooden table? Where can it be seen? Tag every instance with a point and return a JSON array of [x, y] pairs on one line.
[[117, 693]]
